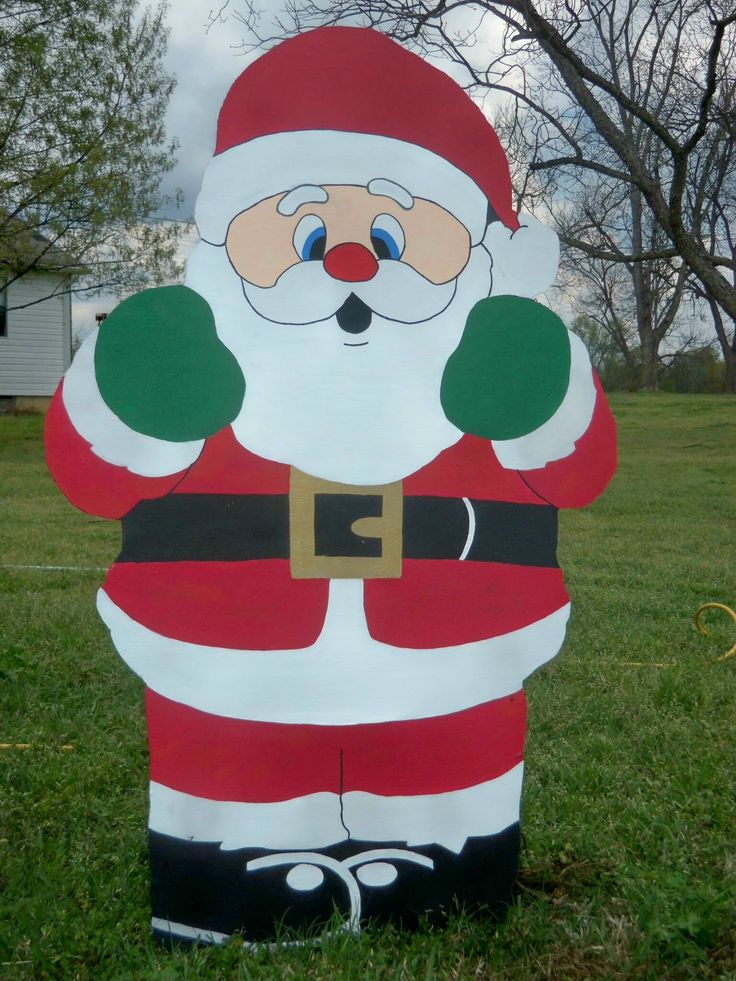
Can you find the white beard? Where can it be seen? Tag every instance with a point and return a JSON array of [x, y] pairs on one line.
[[306, 293], [367, 414]]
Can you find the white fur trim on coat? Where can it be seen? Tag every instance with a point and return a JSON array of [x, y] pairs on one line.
[[345, 678]]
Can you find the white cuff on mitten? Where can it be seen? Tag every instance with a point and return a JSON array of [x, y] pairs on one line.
[[110, 438], [556, 437]]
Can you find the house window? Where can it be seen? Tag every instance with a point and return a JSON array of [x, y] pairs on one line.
[[3, 309]]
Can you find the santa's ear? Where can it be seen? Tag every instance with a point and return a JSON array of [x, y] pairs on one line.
[[525, 261]]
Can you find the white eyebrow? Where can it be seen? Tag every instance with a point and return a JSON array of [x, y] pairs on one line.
[[304, 194], [388, 189]]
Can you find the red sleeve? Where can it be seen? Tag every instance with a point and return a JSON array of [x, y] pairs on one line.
[[87, 481], [579, 478]]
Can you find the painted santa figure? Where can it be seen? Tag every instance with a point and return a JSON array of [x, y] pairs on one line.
[[338, 454]]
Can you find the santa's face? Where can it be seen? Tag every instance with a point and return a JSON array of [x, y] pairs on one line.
[[350, 252], [342, 305]]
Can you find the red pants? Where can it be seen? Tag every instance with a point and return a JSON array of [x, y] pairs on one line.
[[230, 759]]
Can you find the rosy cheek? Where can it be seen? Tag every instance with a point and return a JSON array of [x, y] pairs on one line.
[[259, 254], [437, 244], [438, 268]]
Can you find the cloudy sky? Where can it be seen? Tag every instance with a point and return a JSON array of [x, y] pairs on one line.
[[205, 63]]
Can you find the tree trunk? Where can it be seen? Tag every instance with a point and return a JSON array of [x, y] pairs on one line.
[[640, 274], [730, 381], [728, 346], [649, 364]]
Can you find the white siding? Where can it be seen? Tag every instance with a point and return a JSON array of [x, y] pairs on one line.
[[35, 353]]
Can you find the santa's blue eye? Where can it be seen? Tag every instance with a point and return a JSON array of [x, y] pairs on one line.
[[387, 237], [310, 238]]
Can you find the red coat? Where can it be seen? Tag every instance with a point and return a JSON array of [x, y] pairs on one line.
[[241, 604], [257, 605]]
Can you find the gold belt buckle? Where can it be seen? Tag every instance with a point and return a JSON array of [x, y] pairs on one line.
[[344, 531]]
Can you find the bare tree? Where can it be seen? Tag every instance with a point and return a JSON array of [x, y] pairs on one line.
[[726, 335], [642, 93], [638, 303], [600, 294], [719, 218]]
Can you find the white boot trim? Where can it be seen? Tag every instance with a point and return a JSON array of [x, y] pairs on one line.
[[324, 819]]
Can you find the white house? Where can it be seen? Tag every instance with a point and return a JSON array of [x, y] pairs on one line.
[[35, 331]]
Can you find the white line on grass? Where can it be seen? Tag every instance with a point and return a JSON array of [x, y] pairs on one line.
[[59, 568]]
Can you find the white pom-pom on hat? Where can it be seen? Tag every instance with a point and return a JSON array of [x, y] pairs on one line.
[[525, 261]]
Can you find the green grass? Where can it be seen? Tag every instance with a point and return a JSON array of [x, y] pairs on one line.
[[629, 808]]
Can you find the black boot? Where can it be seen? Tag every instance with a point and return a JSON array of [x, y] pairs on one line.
[[204, 894]]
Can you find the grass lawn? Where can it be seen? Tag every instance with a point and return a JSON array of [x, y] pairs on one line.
[[629, 807]]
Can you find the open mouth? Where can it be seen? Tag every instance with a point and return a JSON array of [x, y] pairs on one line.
[[354, 316]]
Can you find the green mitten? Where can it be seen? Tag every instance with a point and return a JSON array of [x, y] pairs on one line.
[[510, 372], [162, 369]]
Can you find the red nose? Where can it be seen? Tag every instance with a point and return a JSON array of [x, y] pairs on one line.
[[351, 262]]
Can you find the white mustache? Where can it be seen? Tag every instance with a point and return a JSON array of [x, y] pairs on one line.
[[305, 294]]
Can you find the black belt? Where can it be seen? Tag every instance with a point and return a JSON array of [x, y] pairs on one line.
[[237, 527]]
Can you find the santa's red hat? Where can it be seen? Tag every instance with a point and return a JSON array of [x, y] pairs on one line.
[[346, 105]]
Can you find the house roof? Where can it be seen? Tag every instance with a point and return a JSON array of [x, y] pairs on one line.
[[23, 247]]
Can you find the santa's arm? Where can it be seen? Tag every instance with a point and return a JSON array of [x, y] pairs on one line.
[[522, 380], [102, 466], [579, 477], [141, 396], [568, 460]]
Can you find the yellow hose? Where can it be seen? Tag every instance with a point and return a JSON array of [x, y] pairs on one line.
[[701, 628]]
